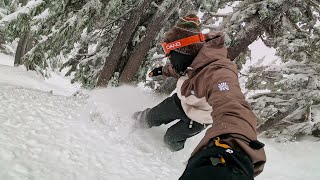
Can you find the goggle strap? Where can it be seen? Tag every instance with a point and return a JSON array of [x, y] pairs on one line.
[[167, 47]]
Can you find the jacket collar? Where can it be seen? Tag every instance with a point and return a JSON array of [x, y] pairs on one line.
[[211, 51]]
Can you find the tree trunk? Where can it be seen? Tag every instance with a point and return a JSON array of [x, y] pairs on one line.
[[144, 46], [252, 31], [121, 42], [2, 41], [2, 4], [144, 22], [23, 42], [245, 37], [21, 49]]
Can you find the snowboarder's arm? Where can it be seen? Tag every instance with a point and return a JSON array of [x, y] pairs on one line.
[[231, 113], [168, 71], [156, 72]]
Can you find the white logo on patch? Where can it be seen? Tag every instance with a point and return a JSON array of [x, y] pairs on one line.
[[223, 86]]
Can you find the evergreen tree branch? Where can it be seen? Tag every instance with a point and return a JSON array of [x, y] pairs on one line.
[[254, 28], [246, 75], [118, 19], [272, 94], [316, 5], [293, 24], [277, 118]]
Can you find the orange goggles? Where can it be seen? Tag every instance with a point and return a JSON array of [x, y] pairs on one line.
[[167, 47]]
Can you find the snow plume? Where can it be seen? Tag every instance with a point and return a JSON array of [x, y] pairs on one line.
[[89, 137]]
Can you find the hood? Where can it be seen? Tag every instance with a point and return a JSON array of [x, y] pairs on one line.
[[211, 51]]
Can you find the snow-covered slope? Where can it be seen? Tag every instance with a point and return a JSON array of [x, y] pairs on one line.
[[30, 79], [46, 133]]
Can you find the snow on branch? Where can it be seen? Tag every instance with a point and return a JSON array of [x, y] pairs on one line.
[[316, 4], [272, 94], [24, 10], [217, 15]]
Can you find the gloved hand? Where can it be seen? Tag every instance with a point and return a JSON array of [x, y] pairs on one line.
[[155, 72]]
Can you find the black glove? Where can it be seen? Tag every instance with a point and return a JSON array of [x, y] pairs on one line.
[[156, 72]]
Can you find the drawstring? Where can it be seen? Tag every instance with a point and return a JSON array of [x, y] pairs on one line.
[[190, 124], [205, 125]]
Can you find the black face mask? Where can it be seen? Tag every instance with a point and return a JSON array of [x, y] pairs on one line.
[[180, 62]]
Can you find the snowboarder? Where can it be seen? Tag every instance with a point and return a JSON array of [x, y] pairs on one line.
[[208, 92], [193, 115], [229, 149]]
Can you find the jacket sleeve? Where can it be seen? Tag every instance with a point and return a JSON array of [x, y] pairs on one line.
[[230, 111], [224, 95], [168, 71]]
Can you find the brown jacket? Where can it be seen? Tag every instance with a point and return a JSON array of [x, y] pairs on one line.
[[210, 93]]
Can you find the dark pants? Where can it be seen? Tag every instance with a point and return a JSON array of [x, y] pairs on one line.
[[167, 111], [238, 166]]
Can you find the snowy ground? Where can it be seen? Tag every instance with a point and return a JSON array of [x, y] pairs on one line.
[[49, 133]]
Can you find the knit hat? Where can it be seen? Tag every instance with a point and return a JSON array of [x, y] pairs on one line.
[[186, 26]]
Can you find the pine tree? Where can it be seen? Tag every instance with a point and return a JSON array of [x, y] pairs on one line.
[[63, 35], [74, 34], [292, 107], [124, 37], [6, 7], [152, 30]]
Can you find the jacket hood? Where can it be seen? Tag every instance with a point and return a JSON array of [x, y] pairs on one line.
[[211, 51]]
